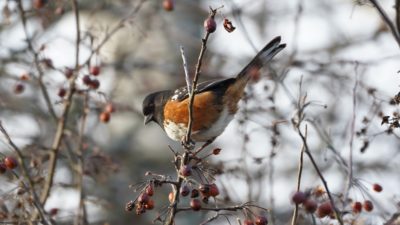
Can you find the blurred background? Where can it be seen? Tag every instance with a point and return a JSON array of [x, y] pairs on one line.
[[340, 55]]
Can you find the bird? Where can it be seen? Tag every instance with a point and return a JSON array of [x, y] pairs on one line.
[[214, 106]]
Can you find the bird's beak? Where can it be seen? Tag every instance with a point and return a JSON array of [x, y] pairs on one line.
[[147, 119]]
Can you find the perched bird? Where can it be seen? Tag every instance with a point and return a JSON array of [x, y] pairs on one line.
[[215, 102]]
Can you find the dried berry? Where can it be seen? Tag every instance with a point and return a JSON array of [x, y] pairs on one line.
[[61, 92], [143, 198], [248, 222], [150, 190], [214, 191], [149, 205], [195, 204], [377, 187], [216, 151], [310, 205], [325, 209], [185, 190], [105, 117], [94, 84], [210, 25], [185, 170], [357, 207], [368, 206], [195, 193], [168, 5], [129, 206], [261, 220], [19, 88], [228, 25], [299, 197], [10, 162], [94, 70]]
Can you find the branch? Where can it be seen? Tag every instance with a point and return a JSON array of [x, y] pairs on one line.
[[387, 20], [36, 61], [27, 177]]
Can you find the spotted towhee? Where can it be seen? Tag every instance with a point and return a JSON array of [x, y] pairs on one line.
[[214, 106]]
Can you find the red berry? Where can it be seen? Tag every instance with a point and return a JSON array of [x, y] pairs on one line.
[[168, 5], [149, 205], [195, 204], [310, 205], [357, 207], [95, 70], [19, 88], [185, 190], [3, 168], [150, 190], [10, 162], [38, 4], [216, 151], [325, 209], [204, 189], [248, 222], [368, 206], [68, 72], [143, 198], [105, 117], [214, 191], [299, 197], [185, 170], [87, 80], [53, 211], [377, 187], [195, 193], [94, 84], [261, 220], [62, 92], [210, 25]]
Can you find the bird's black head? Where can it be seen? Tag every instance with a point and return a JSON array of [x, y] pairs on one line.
[[153, 106]]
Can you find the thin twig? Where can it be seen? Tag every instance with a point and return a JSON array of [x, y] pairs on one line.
[[27, 177], [308, 153], [36, 61], [299, 174], [387, 20], [195, 79], [185, 69]]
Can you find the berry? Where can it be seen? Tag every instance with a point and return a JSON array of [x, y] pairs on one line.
[[310, 205], [368, 206], [204, 189], [87, 80], [261, 220], [325, 209], [94, 70], [195, 193], [38, 4], [185, 190], [143, 198], [94, 84], [299, 197], [168, 5], [210, 25], [195, 204], [53, 211], [357, 207], [24, 76], [10, 162], [214, 191], [149, 205], [105, 117], [68, 72], [3, 168], [228, 25], [205, 199], [216, 151], [185, 170], [248, 222], [19, 88], [150, 190], [377, 187], [62, 92]]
